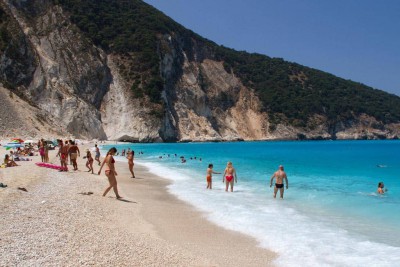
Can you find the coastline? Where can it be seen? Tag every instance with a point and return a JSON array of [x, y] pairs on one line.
[[53, 223]]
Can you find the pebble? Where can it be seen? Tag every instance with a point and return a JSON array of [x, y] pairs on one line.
[[77, 230]]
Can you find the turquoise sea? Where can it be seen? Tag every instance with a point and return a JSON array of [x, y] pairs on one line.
[[330, 215]]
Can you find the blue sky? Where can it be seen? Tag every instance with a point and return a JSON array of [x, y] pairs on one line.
[[353, 39]]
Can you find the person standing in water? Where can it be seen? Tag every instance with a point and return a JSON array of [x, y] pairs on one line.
[[131, 157], [229, 173], [209, 175], [279, 175], [110, 172]]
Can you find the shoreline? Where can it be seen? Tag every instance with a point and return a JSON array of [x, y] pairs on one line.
[[196, 232], [150, 226]]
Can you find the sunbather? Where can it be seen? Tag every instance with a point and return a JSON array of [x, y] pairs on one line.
[[8, 162]]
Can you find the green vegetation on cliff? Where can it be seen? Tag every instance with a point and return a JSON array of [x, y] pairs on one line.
[[129, 28], [133, 28]]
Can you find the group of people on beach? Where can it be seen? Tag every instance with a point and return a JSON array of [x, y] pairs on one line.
[[70, 149], [230, 177], [21, 154]]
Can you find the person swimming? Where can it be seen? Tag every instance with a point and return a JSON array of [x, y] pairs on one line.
[[380, 188]]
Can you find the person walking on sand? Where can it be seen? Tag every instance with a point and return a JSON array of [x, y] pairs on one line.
[[229, 173], [97, 156], [74, 153], [131, 157], [209, 175], [279, 175], [63, 154], [110, 172], [89, 162]]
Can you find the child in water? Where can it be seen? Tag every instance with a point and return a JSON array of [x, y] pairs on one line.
[[209, 175]]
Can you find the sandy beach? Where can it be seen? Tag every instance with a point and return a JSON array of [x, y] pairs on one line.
[[55, 223]]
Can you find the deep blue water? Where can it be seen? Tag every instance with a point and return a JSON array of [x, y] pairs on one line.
[[331, 204]]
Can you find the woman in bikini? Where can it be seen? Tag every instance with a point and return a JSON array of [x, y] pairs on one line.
[[9, 162], [89, 162], [130, 157], [110, 172], [228, 176], [42, 152]]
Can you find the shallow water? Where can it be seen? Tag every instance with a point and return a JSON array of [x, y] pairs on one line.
[[331, 214]]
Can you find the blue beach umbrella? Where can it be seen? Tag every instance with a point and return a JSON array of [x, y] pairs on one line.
[[8, 146]]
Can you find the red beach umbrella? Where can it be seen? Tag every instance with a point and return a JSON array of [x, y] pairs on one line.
[[17, 140]]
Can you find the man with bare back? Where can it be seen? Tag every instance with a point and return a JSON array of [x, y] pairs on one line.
[[63, 154], [279, 175], [74, 153]]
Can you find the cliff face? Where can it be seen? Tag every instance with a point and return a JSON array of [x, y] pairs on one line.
[[57, 70]]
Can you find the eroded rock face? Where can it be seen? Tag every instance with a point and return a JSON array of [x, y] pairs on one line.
[[69, 75], [123, 116], [80, 88]]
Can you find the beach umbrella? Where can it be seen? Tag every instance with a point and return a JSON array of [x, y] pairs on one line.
[[8, 146], [17, 140]]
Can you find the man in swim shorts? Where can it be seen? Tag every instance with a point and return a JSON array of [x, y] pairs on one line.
[[63, 153], [279, 175], [74, 153]]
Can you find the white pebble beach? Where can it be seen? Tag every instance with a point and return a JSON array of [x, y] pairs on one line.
[[55, 223]]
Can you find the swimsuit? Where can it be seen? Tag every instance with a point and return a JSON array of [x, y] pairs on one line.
[[229, 178], [208, 178], [279, 185], [73, 155]]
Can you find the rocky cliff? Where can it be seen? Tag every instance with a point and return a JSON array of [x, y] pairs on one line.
[[92, 89]]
